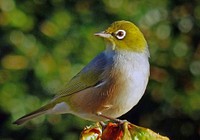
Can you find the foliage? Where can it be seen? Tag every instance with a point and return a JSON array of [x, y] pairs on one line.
[[46, 42], [119, 131]]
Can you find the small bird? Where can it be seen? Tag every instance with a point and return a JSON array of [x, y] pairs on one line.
[[111, 84]]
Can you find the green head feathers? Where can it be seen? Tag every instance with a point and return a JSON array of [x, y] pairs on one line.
[[124, 35]]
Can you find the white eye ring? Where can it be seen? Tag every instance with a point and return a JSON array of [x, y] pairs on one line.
[[120, 34]]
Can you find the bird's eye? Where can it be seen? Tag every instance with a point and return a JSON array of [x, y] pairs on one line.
[[120, 34]]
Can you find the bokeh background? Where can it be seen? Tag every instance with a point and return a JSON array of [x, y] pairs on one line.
[[44, 43]]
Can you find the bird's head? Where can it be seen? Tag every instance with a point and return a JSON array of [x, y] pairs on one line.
[[124, 35]]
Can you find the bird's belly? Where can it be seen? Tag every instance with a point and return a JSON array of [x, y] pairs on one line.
[[125, 99], [112, 103]]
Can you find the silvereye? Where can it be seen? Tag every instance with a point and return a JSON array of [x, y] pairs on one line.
[[111, 84]]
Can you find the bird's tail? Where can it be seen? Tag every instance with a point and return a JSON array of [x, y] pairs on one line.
[[38, 112]]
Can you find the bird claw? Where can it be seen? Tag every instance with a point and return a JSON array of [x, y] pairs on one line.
[[120, 121], [110, 118]]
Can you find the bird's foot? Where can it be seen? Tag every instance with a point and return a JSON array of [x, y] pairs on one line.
[[110, 118]]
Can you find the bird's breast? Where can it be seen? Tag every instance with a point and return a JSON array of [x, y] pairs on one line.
[[128, 82]]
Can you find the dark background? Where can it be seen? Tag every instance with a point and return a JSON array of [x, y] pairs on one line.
[[43, 43]]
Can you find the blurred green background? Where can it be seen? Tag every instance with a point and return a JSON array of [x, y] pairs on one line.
[[44, 43]]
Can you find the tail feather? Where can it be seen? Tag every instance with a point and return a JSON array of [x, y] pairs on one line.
[[38, 112]]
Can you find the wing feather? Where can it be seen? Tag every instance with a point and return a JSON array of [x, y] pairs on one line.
[[89, 76]]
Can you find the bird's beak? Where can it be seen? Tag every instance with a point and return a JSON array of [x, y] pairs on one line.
[[103, 34]]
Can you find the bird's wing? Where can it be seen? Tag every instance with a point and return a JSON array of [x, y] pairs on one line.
[[89, 76]]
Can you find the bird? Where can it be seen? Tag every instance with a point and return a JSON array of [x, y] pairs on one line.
[[111, 84]]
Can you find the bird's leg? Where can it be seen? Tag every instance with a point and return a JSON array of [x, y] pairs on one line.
[[110, 118], [103, 125]]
